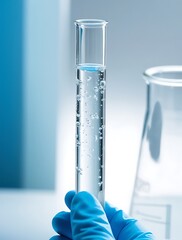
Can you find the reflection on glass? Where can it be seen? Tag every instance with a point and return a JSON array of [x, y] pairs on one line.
[[157, 197]]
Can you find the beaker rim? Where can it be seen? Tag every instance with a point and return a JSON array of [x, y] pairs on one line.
[[90, 22], [170, 75]]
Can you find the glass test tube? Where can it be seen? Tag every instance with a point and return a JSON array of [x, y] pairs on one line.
[[90, 106]]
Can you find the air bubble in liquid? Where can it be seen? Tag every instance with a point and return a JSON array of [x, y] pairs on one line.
[[101, 75], [78, 97], [78, 143], [96, 89], [79, 170], [89, 78], [100, 184], [77, 124], [95, 97], [102, 84], [95, 116]]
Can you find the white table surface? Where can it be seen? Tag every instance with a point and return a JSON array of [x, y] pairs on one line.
[[27, 214]]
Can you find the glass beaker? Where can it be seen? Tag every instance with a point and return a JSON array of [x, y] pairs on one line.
[[157, 196], [90, 107]]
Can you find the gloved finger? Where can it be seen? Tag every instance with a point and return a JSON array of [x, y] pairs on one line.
[[61, 224], [88, 219], [69, 197], [124, 227], [116, 219], [58, 237]]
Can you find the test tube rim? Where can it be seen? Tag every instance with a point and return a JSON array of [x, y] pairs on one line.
[[91, 22]]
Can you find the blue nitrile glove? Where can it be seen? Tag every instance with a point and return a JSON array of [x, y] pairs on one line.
[[88, 220]]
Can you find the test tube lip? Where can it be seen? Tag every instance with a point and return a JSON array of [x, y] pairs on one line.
[[91, 22]]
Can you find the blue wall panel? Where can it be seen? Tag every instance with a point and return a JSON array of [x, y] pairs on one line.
[[11, 81]]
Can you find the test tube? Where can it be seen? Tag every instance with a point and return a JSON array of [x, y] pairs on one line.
[[90, 106]]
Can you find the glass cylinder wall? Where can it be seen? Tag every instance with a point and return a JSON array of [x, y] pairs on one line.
[[90, 42], [90, 106]]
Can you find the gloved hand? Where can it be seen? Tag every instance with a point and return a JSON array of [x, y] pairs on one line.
[[88, 220]]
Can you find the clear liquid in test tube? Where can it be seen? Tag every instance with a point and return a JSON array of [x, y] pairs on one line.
[[90, 107]]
